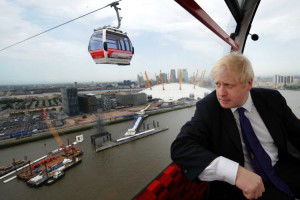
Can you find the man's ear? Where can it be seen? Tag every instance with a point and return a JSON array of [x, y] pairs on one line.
[[250, 82]]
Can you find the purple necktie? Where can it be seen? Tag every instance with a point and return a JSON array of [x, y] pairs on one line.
[[260, 160]]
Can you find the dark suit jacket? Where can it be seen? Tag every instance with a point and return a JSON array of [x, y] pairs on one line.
[[213, 132]]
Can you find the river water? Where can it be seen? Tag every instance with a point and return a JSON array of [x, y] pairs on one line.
[[114, 174]]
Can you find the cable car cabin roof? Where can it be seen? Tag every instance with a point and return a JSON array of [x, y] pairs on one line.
[[110, 29]]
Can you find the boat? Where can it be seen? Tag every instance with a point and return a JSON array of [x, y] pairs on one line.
[[58, 174], [37, 180], [51, 167]]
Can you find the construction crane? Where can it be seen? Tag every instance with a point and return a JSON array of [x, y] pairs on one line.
[[52, 130], [162, 81], [148, 81]]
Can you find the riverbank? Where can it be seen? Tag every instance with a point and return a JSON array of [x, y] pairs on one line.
[[47, 134]]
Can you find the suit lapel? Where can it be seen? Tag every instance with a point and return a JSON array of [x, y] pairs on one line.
[[267, 117], [230, 128]]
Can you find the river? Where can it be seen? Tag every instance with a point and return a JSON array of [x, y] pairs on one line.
[[114, 174]]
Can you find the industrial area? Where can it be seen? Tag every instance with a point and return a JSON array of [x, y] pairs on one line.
[[75, 106]]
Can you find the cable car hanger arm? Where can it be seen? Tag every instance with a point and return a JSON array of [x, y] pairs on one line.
[[115, 4]]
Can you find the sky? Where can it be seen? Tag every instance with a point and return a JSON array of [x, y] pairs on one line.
[[163, 34]]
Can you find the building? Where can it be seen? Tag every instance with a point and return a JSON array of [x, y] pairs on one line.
[[283, 80], [131, 99], [185, 76], [164, 77], [106, 102], [173, 76], [140, 81], [70, 101], [87, 103]]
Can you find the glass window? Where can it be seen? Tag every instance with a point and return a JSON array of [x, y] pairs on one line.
[[121, 42], [127, 44], [117, 41], [220, 13], [96, 42]]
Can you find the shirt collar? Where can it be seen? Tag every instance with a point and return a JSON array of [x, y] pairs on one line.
[[247, 105]]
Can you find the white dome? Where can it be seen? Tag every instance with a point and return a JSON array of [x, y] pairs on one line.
[[172, 92]]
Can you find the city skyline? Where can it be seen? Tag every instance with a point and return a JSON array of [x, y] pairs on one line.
[[172, 39]]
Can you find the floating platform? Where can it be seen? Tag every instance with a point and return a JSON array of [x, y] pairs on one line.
[[111, 144], [51, 166], [15, 165]]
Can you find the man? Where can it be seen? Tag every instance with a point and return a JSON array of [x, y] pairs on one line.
[[237, 138]]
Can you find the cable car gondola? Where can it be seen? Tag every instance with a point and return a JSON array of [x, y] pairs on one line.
[[109, 45]]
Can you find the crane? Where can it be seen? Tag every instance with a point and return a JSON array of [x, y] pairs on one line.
[[180, 79], [52, 130], [148, 81]]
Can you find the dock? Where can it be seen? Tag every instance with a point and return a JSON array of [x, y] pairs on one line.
[[124, 140]]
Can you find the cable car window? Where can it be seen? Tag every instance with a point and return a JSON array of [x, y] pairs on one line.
[[112, 40], [112, 44], [118, 41], [96, 42], [123, 47], [220, 14], [127, 43]]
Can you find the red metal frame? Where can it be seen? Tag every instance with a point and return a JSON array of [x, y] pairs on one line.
[[193, 8]]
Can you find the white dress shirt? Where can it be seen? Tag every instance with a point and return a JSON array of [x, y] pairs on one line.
[[224, 169]]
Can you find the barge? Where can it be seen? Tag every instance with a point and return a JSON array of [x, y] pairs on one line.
[[51, 167], [13, 166]]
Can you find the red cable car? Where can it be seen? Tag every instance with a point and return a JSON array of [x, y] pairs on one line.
[[109, 45]]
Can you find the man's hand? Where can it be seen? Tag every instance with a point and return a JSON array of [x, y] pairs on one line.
[[250, 183]]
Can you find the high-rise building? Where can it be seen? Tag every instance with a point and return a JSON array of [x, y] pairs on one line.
[[140, 81], [70, 101], [185, 76], [87, 103], [164, 77], [173, 76]]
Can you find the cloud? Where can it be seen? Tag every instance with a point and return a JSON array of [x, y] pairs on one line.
[[177, 36], [279, 20]]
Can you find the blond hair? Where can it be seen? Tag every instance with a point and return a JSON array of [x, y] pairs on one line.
[[237, 63]]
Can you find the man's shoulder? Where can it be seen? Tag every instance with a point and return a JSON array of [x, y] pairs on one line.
[[209, 100], [265, 92]]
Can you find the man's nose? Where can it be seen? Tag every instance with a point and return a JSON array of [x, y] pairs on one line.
[[222, 91]]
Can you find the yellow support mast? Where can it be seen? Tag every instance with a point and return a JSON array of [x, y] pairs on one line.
[[162, 81], [149, 83]]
